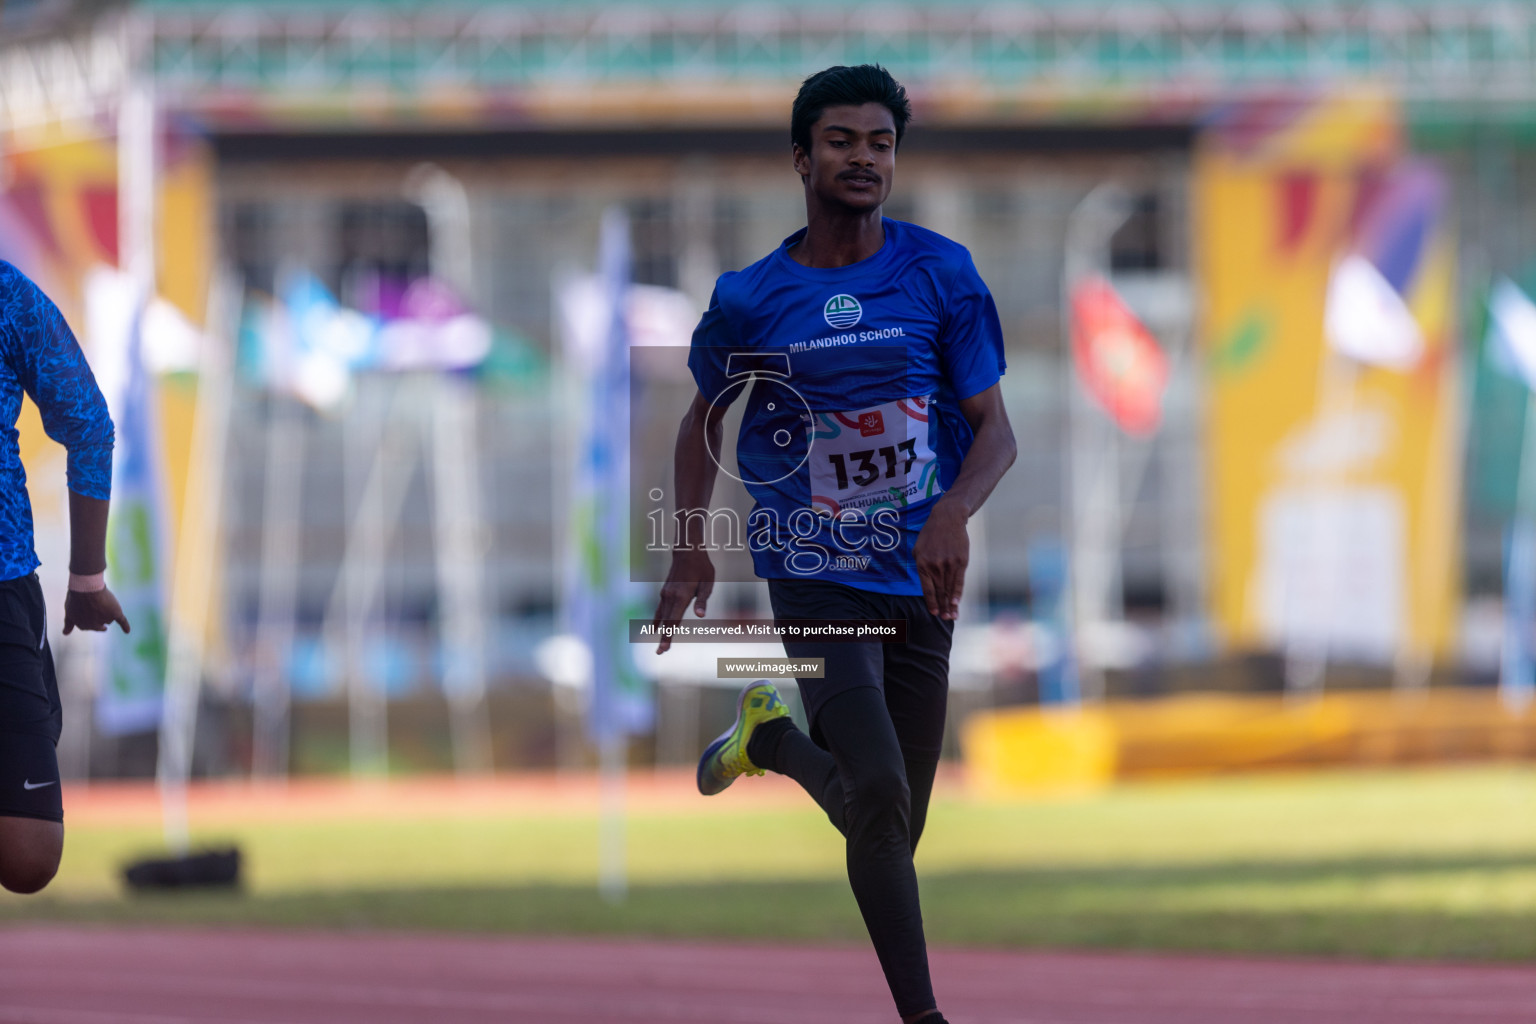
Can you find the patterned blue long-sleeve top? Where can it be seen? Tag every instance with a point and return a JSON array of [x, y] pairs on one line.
[[39, 356]]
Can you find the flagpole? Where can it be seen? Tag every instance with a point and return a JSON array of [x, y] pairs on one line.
[[1142, 448], [613, 874], [461, 552], [192, 594], [138, 132], [278, 585], [605, 609], [1089, 227], [457, 517], [362, 570], [565, 399], [376, 504]]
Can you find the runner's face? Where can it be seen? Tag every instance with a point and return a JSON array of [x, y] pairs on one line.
[[852, 157]]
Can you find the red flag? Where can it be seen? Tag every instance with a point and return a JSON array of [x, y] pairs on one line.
[[1117, 359]]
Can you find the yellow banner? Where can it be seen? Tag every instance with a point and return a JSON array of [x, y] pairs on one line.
[[1332, 484], [59, 211]]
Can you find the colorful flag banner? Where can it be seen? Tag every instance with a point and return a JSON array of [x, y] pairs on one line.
[[132, 693], [327, 341], [600, 597], [309, 345], [431, 330], [1118, 360], [1369, 312]]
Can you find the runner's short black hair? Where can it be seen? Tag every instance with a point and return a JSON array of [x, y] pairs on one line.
[[847, 86]]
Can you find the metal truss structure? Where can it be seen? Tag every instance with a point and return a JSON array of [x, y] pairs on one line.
[[206, 58], [64, 80]]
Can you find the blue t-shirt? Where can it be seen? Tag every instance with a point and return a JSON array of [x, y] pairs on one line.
[[853, 375], [39, 356]]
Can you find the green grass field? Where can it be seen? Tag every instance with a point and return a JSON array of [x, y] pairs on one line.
[[1436, 863]]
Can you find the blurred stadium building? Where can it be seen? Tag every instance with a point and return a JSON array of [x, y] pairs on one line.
[[293, 137]]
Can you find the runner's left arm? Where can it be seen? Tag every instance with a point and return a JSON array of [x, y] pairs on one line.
[[942, 551], [691, 577], [692, 574], [53, 371]]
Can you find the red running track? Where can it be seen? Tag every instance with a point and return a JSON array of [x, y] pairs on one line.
[[58, 975]]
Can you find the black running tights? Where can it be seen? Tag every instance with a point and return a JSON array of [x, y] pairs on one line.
[[878, 799]]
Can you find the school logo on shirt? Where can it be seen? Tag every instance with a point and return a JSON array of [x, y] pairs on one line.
[[842, 311]]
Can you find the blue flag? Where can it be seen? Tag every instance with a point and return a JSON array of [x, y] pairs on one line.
[[1517, 660], [602, 598]]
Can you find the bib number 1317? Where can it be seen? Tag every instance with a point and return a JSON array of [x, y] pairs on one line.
[[868, 458], [867, 470]]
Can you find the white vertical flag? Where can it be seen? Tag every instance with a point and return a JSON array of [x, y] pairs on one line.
[[1512, 331], [1366, 319]]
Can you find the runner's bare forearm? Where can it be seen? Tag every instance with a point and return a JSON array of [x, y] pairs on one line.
[[691, 577], [89, 609], [942, 551], [992, 451], [87, 534], [694, 469]]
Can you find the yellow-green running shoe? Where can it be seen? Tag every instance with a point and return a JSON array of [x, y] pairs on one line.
[[726, 757]]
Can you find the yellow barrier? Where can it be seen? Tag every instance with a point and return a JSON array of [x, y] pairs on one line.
[[1039, 753], [1034, 751], [1199, 734]]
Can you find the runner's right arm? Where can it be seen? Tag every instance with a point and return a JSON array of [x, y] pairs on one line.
[[942, 551], [692, 575], [94, 610], [53, 371]]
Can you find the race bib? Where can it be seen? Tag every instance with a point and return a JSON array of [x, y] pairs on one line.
[[873, 458]]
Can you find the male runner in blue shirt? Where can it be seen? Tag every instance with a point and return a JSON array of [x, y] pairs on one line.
[[39, 356], [875, 429]]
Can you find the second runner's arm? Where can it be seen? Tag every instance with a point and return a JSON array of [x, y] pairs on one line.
[[89, 609], [942, 551], [692, 575], [53, 371]]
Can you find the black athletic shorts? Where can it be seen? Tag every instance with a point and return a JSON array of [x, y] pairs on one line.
[[914, 676], [30, 714]]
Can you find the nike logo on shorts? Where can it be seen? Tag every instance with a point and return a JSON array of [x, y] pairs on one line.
[[29, 784]]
